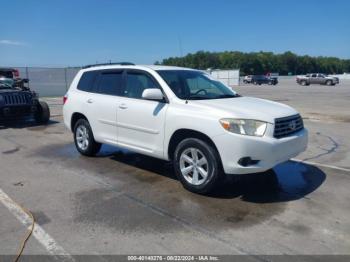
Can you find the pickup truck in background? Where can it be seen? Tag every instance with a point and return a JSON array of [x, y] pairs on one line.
[[262, 79], [321, 79]]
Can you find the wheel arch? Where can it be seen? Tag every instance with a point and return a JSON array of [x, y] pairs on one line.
[[184, 133], [75, 117]]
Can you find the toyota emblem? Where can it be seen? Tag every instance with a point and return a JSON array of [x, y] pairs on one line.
[[292, 125]]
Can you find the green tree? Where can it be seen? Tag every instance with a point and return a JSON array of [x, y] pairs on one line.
[[260, 62]]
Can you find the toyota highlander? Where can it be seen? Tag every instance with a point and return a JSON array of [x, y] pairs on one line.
[[181, 115]]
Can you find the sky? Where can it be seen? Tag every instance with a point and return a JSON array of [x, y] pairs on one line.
[[79, 32]]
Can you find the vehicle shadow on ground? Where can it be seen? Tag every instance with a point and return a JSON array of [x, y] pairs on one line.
[[24, 124], [286, 182]]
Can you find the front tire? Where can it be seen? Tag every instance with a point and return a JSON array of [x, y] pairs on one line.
[[84, 139], [303, 83], [42, 115], [197, 165], [329, 83]]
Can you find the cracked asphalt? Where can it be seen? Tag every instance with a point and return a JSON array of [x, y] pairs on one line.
[[126, 203]]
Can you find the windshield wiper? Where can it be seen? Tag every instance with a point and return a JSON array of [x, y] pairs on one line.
[[196, 98], [227, 96]]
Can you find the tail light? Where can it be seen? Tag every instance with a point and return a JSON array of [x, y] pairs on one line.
[[65, 98], [16, 73]]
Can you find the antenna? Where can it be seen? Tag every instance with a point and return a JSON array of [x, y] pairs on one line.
[[180, 46]]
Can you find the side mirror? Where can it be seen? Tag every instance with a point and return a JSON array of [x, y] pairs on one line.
[[153, 94]]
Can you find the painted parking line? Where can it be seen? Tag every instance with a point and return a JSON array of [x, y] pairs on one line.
[[39, 233], [321, 165]]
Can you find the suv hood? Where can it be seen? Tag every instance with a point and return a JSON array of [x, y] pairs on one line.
[[9, 90], [247, 108]]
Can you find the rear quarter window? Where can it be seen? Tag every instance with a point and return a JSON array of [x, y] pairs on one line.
[[87, 80]]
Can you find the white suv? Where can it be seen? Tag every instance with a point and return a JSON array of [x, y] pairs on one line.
[[182, 115]]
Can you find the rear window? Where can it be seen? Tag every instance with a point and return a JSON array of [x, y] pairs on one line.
[[87, 81]]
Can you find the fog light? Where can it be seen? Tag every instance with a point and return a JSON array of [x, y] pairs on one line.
[[247, 161]]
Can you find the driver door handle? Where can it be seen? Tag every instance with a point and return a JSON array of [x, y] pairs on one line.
[[123, 106], [90, 101]]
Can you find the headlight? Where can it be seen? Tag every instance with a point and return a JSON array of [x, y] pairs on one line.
[[244, 126]]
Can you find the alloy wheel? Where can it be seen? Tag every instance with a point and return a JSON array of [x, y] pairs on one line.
[[82, 137], [194, 166]]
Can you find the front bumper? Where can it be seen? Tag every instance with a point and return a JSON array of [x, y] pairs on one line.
[[268, 150], [14, 112]]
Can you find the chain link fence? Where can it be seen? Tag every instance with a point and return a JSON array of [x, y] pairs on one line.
[[48, 81]]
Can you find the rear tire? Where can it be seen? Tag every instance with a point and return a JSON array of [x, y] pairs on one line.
[[84, 139], [42, 115], [197, 165]]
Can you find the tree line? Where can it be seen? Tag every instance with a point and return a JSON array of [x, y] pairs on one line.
[[261, 62]]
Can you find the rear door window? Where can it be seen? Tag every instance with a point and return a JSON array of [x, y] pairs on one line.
[[110, 83]]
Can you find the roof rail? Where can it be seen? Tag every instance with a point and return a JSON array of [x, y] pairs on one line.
[[105, 64]]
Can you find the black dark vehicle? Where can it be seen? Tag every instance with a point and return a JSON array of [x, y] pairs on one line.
[[9, 73], [17, 101], [262, 79]]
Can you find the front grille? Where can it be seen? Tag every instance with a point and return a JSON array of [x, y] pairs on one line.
[[17, 99], [286, 126]]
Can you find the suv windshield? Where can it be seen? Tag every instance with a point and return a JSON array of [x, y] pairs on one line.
[[195, 85], [6, 83]]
